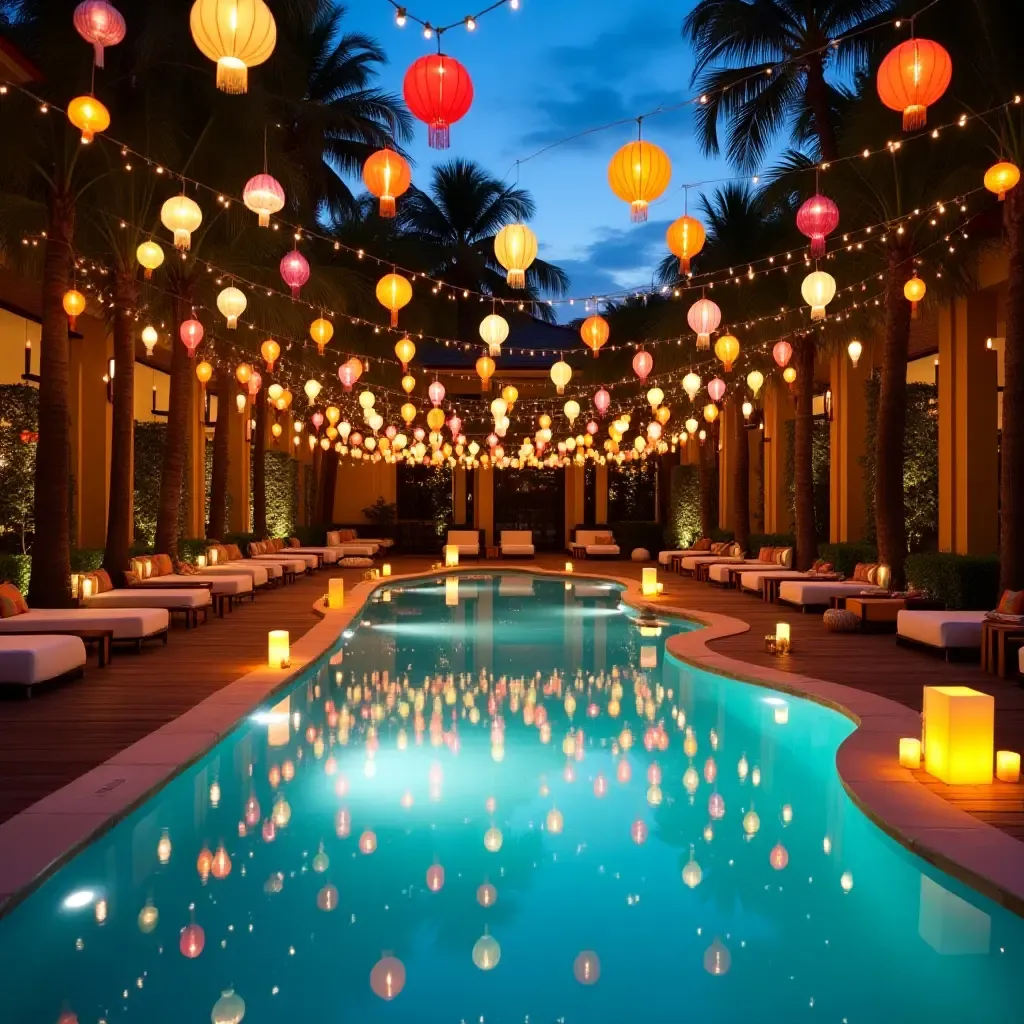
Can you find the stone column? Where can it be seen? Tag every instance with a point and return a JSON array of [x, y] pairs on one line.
[[846, 438], [601, 494]]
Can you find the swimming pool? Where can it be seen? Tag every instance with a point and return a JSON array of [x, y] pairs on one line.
[[498, 801]]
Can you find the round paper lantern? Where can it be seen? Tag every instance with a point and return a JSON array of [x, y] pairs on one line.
[[486, 895], [438, 91], [816, 218], [405, 350], [1001, 177], [387, 978], [727, 348], [408, 413], [663, 415], [221, 866], [692, 873], [685, 238], [601, 401], [854, 350], [638, 174], [716, 389], [642, 364], [321, 331], [181, 216], [638, 830], [751, 822], [782, 352], [586, 968], [494, 331], [511, 394], [149, 338], [367, 842], [312, 388], [191, 941], [717, 959], [691, 425], [655, 397], [561, 374], [818, 290], [571, 410], [204, 371], [493, 839], [89, 115], [789, 375], [349, 372], [435, 878], [386, 175], [191, 334], [912, 77], [99, 23], [778, 858], [704, 316], [148, 918], [711, 412], [367, 400], [408, 384], [270, 350], [237, 34], [594, 331], [263, 195], [435, 419], [554, 821], [74, 305], [150, 256], [231, 302], [486, 952], [913, 292], [515, 248], [485, 370], [755, 381], [394, 292], [294, 271], [436, 393], [691, 385], [716, 806]]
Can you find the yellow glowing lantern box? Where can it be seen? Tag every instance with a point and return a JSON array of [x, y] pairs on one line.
[[201, 561], [385, 569], [568, 566], [335, 592], [782, 637], [1007, 766], [959, 722], [648, 657], [278, 649], [649, 583], [451, 555], [910, 752]]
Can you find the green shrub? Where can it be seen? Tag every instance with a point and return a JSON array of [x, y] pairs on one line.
[[311, 536], [19, 421], [16, 569], [630, 535], [190, 547], [962, 581], [845, 556], [86, 559], [718, 535], [770, 540], [243, 540], [683, 526], [821, 460]]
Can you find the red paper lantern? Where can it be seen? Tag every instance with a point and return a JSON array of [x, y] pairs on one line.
[[912, 77], [782, 353], [192, 941], [438, 90], [642, 364], [294, 271], [816, 218], [191, 334], [99, 23], [778, 858], [387, 978]]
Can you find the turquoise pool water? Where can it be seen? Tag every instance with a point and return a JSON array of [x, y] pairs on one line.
[[500, 802]]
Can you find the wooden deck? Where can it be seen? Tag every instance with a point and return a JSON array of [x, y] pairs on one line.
[[60, 733]]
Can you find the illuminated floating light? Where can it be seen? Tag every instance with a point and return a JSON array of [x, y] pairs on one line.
[[716, 389], [438, 91], [751, 822], [231, 302], [818, 290], [88, 115], [101, 24], [1002, 177], [327, 898], [846, 881], [561, 374], [704, 316], [912, 77], [586, 968], [149, 338], [779, 857], [717, 959], [854, 350], [913, 292], [394, 292], [638, 174], [692, 873], [408, 384], [515, 248], [816, 218], [638, 832], [348, 373], [716, 806], [555, 821], [294, 269], [691, 385], [486, 895], [387, 175], [387, 978], [191, 334], [485, 371], [150, 256], [494, 331], [74, 305], [789, 375], [367, 842], [602, 400], [493, 839], [148, 918], [685, 238], [204, 371], [181, 216], [237, 34], [571, 410], [782, 352], [727, 349], [486, 952], [264, 196], [643, 363], [595, 332], [191, 941], [321, 331], [755, 381], [435, 878]]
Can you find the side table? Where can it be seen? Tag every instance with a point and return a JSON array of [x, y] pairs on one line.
[[994, 639]]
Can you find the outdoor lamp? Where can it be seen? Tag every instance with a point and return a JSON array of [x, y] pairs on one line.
[[335, 592], [278, 649]]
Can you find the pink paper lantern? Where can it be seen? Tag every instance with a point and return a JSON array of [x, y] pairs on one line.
[[391, 433], [294, 271], [492, 440], [642, 364], [99, 23], [716, 806], [255, 383], [592, 428], [601, 401], [704, 317], [436, 393], [355, 439], [816, 218], [191, 334], [782, 352], [716, 388], [318, 419], [349, 372], [264, 195], [419, 433]]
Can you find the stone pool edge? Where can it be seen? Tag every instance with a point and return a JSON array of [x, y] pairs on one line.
[[39, 840]]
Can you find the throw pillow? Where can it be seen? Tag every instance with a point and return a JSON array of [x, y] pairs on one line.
[[11, 601], [130, 579], [103, 582], [704, 544], [1011, 603], [294, 542]]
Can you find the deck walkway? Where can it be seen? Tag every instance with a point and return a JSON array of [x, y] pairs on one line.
[[60, 733]]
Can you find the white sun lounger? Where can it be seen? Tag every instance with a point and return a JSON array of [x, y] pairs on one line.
[[188, 602], [28, 660], [129, 624], [945, 631]]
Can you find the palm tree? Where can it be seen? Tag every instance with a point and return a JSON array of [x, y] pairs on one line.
[[777, 57], [217, 523]]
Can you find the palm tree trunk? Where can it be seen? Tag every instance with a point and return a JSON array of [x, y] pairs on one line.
[[122, 431], [741, 481], [705, 477], [803, 443], [329, 470], [817, 100], [176, 438], [890, 517], [1011, 479], [318, 486], [217, 525], [50, 582], [259, 469]]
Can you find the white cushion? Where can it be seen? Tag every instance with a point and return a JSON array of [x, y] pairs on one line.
[[516, 549], [235, 583], [27, 660], [719, 572], [752, 580], [151, 597], [803, 592], [665, 557], [357, 549], [518, 538], [585, 538], [691, 562], [283, 561], [127, 623], [259, 574], [329, 555], [941, 629], [602, 549]]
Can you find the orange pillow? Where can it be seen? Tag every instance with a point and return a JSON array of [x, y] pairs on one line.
[[704, 544], [863, 572], [294, 542], [103, 583], [1011, 603], [162, 565], [11, 601]]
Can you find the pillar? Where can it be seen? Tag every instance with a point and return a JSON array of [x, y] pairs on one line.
[[756, 449], [194, 479], [459, 496], [726, 465], [846, 440], [574, 499], [968, 427], [601, 494], [240, 469], [483, 503], [778, 410]]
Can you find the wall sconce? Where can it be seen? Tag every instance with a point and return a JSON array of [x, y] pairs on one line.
[[910, 752], [212, 554], [827, 402], [278, 649], [240, 401], [335, 592], [451, 555], [385, 569]]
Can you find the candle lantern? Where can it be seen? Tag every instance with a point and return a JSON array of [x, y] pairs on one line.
[[278, 649]]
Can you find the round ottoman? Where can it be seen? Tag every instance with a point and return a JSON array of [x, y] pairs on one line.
[[839, 620], [354, 562], [641, 555]]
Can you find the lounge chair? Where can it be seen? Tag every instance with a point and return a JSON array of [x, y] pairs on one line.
[[226, 560], [467, 542], [277, 547], [157, 572], [261, 551], [812, 594], [767, 558], [26, 661], [752, 579], [189, 602], [348, 545], [726, 552], [595, 543], [127, 625], [947, 632], [517, 544], [665, 557]]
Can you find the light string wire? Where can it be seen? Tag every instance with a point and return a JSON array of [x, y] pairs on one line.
[[401, 11]]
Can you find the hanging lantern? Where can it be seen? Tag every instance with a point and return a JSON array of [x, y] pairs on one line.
[[438, 91], [237, 34], [181, 216], [74, 305], [270, 350], [912, 77], [747, 409], [405, 350], [716, 389], [387, 978], [854, 350], [515, 248], [150, 256], [655, 397], [191, 334], [818, 290], [204, 371], [386, 175], [602, 400], [816, 218], [1001, 177], [638, 174], [494, 331], [511, 394], [435, 419], [349, 372], [485, 370], [782, 352], [691, 425], [89, 115], [99, 23], [367, 400], [755, 381], [254, 384], [571, 410], [561, 374], [231, 302], [727, 348], [642, 364], [263, 195], [312, 389], [321, 331], [191, 941], [229, 1009], [789, 375], [704, 316], [242, 373], [408, 384], [663, 415], [595, 331], [913, 292], [436, 393], [408, 413], [149, 338], [685, 238], [711, 412], [294, 271], [691, 385], [394, 292]]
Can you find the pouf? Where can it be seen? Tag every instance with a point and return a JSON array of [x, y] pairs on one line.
[[354, 562], [839, 620], [641, 555]]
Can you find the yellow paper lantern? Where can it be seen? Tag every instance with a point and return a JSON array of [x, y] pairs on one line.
[[270, 350], [312, 388], [711, 412], [181, 216], [561, 374], [321, 331], [89, 115], [663, 415], [571, 410], [655, 397], [74, 305], [485, 370], [638, 174], [204, 371], [515, 248], [408, 413], [149, 338], [685, 238], [405, 350], [242, 373], [510, 394], [755, 381], [394, 292], [408, 383], [231, 302], [818, 290], [494, 331], [595, 331], [913, 292], [237, 34], [727, 348], [150, 256], [789, 374], [435, 419], [1001, 177]]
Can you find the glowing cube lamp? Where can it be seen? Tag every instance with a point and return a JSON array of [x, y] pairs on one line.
[[649, 585], [385, 569], [451, 555], [958, 741], [910, 752], [335, 592], [278, 649]]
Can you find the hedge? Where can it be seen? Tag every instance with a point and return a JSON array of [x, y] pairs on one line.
[[87, 559], [966, 582], [769, 540], [640, 534], [311, 536], [16, 569], [683, 526], [845, 556]]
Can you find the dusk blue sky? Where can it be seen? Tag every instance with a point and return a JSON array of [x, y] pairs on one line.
[[548, 70]]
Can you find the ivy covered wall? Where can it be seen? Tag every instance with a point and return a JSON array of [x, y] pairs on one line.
[[149, 458], [282, 486], [683, 525], [821, 459], [19, 422]]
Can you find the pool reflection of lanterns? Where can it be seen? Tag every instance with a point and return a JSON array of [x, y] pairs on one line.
[[163, 847], [846, 881], [367, 842], [149, 917], [600, 786], [252, 811], [787, 814], [692, 873], [269, 831], [717, 960], [490, 805], [555, 821], [486, 895], [691, 780], [486, 952], [204, 862], [638, 832], [327, 898], [742, 767], [321, 862], [654, 773], [778, 858], [221, 864], [587, 968], [406, 800], [709, 833], [710, 770], [435, 878], [626, 738], [191, 941], [229, 1009], [690, 744], [387, 978], [716, 806], [623, 771], [751, 822], [654, 795], [282, 812]]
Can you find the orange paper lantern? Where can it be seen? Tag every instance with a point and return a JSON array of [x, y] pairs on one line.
[[394, 292], [912, 77], [685, 238], [386, 175], [594, 331], [638, 174]]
